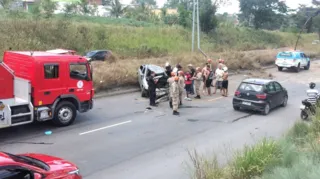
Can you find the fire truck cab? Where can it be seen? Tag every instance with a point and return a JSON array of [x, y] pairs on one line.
[[41, 86]]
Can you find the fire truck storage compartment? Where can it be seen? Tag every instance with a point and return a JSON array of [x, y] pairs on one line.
[[17, 93], [6, 82]]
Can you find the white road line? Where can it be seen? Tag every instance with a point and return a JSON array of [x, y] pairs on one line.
[[284, 81], [106, 127]]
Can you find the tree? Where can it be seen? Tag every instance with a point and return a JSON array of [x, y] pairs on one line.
[[5, 3], [48, 7], [316, 19], [208, 19], [117, 9], [145, 3], [259, 12]]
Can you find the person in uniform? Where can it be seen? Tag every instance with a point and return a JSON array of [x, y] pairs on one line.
[[152, 88], [197, 82], [181, 85], [170, 81], [175, 90]]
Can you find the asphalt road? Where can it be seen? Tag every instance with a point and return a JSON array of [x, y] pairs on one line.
[[120, 139]]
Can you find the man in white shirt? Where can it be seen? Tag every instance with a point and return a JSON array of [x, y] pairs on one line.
[[219, 74], [312, 93]]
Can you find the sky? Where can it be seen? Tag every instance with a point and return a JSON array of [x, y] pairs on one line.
[[233, 6]]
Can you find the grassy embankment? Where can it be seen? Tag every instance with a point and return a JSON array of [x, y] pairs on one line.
[[134, 43], [295, 156]]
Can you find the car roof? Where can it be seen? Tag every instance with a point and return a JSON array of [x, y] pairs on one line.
[[97, 51], [260, 81], [61, 51], [155, 68], [47, 56]]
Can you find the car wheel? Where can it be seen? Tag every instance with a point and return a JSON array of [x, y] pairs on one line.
[[65, 114], [285, 101], [266, 109], [237, 108], [304, 115], [307, 67], [298, 68], [144, 93], [280, 68]]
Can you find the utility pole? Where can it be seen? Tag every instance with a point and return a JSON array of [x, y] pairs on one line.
[[198, 23], [193, 18]]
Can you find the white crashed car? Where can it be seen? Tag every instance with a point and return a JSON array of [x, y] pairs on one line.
[[162, 85]]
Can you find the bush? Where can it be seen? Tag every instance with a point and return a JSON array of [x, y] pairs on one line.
[[254, 160]]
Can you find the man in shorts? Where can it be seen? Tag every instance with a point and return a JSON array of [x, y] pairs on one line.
[[225, 82], [219, 73], [209, 77]]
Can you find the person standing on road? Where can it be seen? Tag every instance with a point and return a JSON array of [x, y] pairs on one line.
[[181, 85], [204, 72], [170, 81], [209, 78], [152, 88], [193, 74], [225, 82], [219, 73], [175, 89], [168, 69], [198, 79], [188, 84]]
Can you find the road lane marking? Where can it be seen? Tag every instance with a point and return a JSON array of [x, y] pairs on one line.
[[214, 99], [106, 127]]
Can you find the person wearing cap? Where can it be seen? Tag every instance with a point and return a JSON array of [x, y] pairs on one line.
[[225, 82], [197, 82], [170, 81], [175, 90], [181, 85], [193, 74], [152, 88]]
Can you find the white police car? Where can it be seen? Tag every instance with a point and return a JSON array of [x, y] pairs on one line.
[[292, 60]]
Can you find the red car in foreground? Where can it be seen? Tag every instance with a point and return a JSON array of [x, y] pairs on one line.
[[36, 166]]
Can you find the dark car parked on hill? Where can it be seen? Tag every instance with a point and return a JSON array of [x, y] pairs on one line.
[[260, 95], [98, 55]]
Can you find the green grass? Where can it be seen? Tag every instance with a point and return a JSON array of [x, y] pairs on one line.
[[141, 42], [295, 156]]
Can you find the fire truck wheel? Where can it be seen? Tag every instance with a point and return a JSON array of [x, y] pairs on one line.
[[65, 114]]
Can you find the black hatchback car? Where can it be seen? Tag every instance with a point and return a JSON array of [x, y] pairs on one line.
[[260, 95], [98, 55]]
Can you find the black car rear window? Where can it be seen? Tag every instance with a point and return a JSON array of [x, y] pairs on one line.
[[250, 87]]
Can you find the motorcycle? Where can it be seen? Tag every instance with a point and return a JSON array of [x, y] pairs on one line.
[[307, 108]]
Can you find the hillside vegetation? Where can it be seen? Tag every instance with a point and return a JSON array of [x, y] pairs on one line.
[[134, 44]]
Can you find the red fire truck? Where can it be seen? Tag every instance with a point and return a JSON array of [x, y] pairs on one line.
[[41, 86]]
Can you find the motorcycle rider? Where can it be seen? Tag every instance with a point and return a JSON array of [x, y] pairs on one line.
[[312, 93]]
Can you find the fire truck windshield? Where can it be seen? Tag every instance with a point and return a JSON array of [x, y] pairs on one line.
[[79, 71]]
